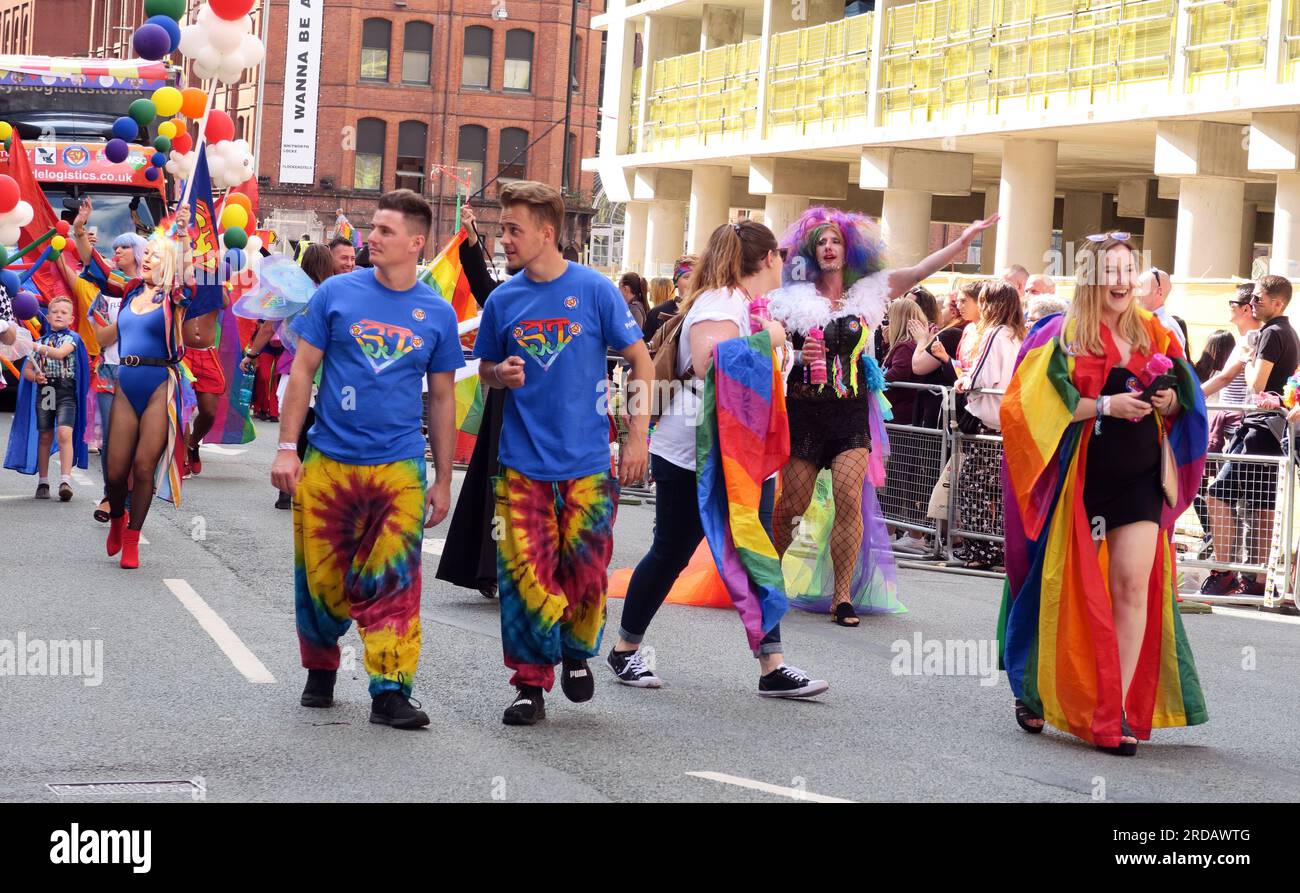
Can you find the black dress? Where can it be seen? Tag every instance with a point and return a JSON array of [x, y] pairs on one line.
[[1122, 483], [822, 423]]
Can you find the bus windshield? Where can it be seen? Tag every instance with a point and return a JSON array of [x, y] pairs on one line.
[[113, 214]]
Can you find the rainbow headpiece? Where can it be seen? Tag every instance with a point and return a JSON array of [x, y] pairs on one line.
[[863, 250]]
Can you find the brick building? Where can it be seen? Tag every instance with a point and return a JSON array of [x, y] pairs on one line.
[[408, 87]]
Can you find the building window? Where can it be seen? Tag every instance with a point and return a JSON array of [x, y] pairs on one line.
[[471, 153], [412, 146], [573, 161], [519, 60], [368, 170], [417, 50], [574, 64], [512, 159], [476, 70], [376, 36]]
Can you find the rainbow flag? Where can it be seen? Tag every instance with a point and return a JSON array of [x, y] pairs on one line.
[[234, 424], [1056, 626], [446, 276], [742, 437], [343, 228]]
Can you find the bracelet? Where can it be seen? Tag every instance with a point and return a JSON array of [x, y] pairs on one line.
[[288, 446], [1103, 405]]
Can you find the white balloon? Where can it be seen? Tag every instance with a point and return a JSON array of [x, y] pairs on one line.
[[22, 214], [242, 146], [205, 15], [254, 247], [204, 70], [193, 39], [252, 50], [216, 165], [225, 36], [231, 69], [10, 234]]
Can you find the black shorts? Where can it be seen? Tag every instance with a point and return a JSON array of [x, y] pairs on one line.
[[56, 404], [1254, 483]]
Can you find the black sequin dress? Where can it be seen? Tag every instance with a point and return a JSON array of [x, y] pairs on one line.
[[822, 423]]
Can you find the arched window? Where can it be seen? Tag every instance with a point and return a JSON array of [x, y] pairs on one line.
[[412, 147], [512, 159], [519, 60], [368, 170], [476, 70], [417, 50], [376, 37], [471, 152], [575, 65]]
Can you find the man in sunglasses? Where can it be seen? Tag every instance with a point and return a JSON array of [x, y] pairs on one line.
[[1254, 484], [1152, 290]]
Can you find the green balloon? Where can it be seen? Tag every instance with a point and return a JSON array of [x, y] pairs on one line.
[[173, 9], [235, 237], [162, 144], [143, 112]]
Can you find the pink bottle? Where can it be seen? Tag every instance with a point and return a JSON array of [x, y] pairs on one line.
[[758, 314], [817, 368]]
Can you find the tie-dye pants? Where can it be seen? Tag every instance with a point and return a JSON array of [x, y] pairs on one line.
[[357, 536], [554, 541]]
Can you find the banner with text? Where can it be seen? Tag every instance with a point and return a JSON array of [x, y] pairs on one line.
[[301, 92]]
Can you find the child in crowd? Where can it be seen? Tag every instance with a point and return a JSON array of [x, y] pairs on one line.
[[54, 370]]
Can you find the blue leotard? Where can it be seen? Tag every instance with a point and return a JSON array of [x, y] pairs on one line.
[[142, 336]]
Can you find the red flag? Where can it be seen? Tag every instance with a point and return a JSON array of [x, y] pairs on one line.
[[16, 164]]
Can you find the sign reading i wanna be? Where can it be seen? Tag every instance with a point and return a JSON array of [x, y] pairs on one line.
[[301, 92]]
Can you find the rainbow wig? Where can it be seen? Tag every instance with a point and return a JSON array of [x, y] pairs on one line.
[[863, 250]]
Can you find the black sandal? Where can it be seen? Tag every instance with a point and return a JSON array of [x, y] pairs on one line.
[[101, 515], [1024, 715], [845, 615], [1124, 748]]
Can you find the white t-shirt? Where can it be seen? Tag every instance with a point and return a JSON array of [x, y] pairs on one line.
[[674, 437], [114, 307]]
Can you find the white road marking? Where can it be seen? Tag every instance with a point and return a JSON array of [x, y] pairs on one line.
[[15, 497], [218, 450], [792, 793], [1252, 614], [245, 661], [433, 546]]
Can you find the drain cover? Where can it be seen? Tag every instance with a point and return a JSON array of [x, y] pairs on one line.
[[186, 787]]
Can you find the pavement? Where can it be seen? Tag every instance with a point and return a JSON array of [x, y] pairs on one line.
[[201, 678]]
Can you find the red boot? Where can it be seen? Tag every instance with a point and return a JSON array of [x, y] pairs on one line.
[[115, 528], [130, 548]]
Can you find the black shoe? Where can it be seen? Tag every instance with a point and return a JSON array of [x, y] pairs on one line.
[[1251, 584], [284, 501], [65, 493], [1219, 583], [576, 680], [319, 691], [42, 491], [631, 670], [488, 590], [528, 707], [392, 708], [789, 682]]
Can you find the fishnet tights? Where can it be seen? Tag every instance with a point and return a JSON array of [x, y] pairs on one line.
[[798, 479]]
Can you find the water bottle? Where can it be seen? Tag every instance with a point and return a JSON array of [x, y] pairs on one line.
[[817, 368], [246, 389], [758, 314]]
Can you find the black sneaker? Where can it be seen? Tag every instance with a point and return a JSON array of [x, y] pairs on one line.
[[488, 590], [1219, 583], [629, 669], [392, 708], [319, 690], [284, 501], [576, 680], [1251, 584], [528, 707], [789, 682], [42, 491], [65, 493]]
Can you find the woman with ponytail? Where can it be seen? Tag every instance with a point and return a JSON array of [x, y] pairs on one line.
[[837, 287], [739, 264]]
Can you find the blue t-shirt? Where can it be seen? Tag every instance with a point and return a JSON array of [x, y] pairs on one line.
[[379, 345], [555, 427]]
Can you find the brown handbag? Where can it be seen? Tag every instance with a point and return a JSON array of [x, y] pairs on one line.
[[1168, 470]]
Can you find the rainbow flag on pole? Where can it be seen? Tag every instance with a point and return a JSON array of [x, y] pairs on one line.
[[446, 276]]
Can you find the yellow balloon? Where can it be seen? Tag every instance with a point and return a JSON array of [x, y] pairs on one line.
[[167, 100], [58, 243], [234, 216], [167, 129], [6, 130]]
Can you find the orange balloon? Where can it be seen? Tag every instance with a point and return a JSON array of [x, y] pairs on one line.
[[238, 198], [181, 130], [193, 102]]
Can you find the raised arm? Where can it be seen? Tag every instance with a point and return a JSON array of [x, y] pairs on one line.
[[904, 279]]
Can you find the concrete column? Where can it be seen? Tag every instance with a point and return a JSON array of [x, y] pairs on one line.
[[989, 243], [709, 206], [616, 102], [665, 233], [635, 217], [905, 225], [1208, 244], [1158, 241], [1248, 213], [780, 211], [1084, 213], [1026, 202], [1285, 256], [721, 26]]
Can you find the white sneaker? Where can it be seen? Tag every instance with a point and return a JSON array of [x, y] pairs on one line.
[[910, 543]]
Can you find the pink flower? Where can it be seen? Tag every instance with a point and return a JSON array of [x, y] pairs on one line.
[[1159, 364]]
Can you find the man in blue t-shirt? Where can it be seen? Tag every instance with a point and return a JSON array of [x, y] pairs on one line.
[[544, 336], [359, 497]]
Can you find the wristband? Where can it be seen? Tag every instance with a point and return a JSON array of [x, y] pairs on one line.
[[1103, 406], [288, 446]]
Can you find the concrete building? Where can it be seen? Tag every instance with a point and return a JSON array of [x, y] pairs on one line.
[[1177, 120]]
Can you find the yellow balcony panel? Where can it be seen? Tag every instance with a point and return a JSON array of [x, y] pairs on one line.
[[1224, 40]]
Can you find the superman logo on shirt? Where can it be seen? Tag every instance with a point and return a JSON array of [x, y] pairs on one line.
[[383, 344], [544, 339]]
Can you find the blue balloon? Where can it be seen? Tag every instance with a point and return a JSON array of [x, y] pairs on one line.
[[158, 159], [152, 173], [117, 150], [125, 129], [170, 25], [235, 260], [9, 282]]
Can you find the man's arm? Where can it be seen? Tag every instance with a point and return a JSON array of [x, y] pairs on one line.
[[287, 468], [634, 457], [1260, 370], [442, 443]]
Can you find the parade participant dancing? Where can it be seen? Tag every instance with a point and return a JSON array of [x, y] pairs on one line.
[[543, 337], [837, 289], [1091, 637], [360, 501], [146, 410]]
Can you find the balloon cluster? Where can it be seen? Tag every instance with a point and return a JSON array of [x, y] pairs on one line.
[[14, 212], [220, 40]]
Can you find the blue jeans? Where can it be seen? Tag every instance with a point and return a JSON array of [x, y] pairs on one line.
[[678, 532]]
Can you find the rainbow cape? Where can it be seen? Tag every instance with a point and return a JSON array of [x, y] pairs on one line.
[[742, 438], [1056, 626], [446, 276]]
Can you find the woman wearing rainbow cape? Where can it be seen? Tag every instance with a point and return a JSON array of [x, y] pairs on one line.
[[835, 294], [1091, 637]]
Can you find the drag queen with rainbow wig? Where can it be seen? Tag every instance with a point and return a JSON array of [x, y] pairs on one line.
[[836, 289]]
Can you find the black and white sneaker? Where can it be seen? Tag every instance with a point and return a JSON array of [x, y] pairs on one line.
[[527, 709], [789, 682], [629, 669], [576, 680]]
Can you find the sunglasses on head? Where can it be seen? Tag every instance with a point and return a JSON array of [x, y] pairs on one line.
[[1117, 236]]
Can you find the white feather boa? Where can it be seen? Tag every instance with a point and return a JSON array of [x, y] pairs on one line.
[[799, 307]]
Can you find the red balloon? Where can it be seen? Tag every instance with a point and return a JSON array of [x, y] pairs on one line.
[[220, 127], [62, 227], [183, 143], [9, 194], [231, 9]]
